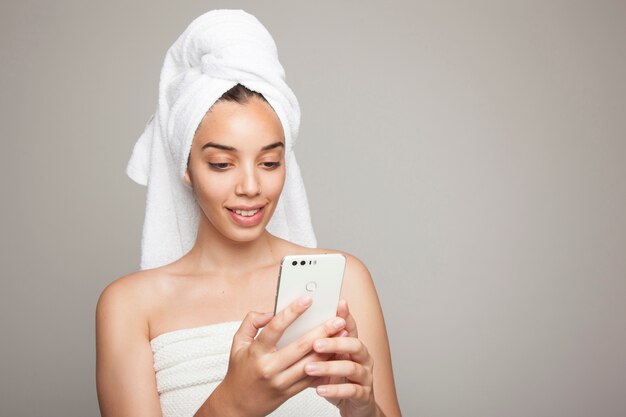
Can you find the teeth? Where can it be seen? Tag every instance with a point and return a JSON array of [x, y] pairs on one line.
[[246, 213]]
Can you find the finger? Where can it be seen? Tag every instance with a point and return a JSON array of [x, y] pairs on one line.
[[295, 372], [304, 344], [344, 345], [338, 357], [343, 310], [355, 372], [274, 329], [306, 382], [328, 381], [361, 393], [342, 333], [249, 328]]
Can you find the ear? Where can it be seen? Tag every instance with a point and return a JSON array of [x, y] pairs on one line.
[[187, 178]]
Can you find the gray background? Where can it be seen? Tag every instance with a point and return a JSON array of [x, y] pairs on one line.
[[471, 153]]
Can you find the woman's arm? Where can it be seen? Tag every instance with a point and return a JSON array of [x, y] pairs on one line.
[[363, 355], [125, 375], [366, 310]]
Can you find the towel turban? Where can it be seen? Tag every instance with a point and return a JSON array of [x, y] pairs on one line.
[[217, 51]]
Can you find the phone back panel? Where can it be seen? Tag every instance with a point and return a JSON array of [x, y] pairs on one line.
[[319, 276]]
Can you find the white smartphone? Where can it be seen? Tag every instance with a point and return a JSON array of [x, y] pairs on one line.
[[319, 276]]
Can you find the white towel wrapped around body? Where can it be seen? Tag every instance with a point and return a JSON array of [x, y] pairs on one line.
[[217, 51]]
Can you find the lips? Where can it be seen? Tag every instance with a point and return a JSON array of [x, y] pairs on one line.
[[246, 216]]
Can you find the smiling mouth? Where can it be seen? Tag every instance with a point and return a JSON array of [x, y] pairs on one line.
[[249, 216], [245, 213]]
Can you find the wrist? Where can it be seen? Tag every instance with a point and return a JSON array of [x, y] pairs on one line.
[[219, 404]]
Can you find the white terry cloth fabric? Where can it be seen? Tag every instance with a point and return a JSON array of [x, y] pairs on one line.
[[190, 364], [217, 51]]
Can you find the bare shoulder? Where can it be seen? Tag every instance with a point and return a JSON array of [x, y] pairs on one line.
[[358, 287], [129, 298], [124, 287], [124, 365], [356, 271]]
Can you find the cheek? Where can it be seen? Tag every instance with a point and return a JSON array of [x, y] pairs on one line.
[[210, 192], [274, 184]]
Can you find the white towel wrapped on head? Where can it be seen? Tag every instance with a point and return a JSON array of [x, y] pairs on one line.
[[217, 51]]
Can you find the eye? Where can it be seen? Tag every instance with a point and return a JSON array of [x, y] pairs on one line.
[[270, 164], [219, 166]]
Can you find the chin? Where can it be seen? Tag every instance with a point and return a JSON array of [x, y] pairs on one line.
[[246, 236]]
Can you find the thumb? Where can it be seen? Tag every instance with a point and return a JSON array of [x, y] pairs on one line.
[[343, 311]]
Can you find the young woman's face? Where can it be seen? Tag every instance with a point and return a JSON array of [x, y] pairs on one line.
[[237, 167]]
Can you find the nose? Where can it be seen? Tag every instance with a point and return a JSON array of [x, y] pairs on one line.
[[249, 184]]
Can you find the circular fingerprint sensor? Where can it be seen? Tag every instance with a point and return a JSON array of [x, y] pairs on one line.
[[311, 286]]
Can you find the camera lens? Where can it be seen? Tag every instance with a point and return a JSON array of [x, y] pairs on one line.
[[302, 262], [294, 263]]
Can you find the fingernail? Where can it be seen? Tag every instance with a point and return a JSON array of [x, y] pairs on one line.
[[338, 323], [319, 344], [343, 333], [322, 390], [310, 368], [305, 300]]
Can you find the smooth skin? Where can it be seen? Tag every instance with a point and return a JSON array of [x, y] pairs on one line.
[[237, 162]]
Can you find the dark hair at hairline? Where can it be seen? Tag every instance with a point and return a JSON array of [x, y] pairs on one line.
[[240, 94]]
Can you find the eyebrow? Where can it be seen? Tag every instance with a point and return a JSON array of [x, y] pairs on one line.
[[230, 148]]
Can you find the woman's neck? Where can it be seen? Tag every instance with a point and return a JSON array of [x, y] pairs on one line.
[[214, 253]]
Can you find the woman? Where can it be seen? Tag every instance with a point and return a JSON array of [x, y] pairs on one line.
[[218, 162]]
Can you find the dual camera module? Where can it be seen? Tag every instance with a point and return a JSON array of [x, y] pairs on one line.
[[313, 262]]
